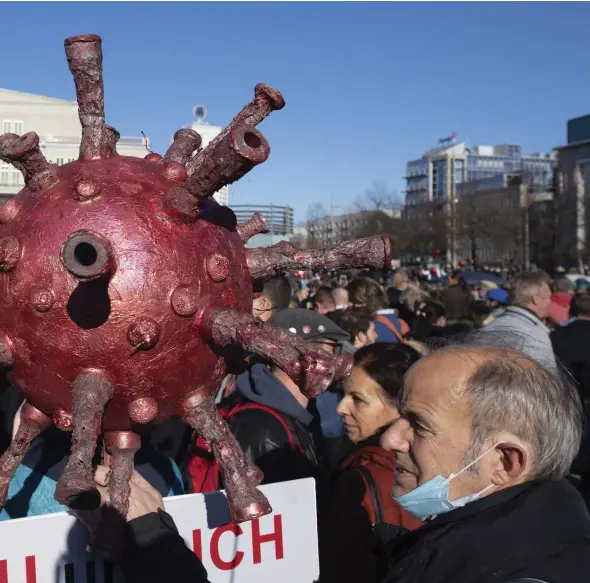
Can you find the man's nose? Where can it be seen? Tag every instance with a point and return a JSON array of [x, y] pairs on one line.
[[397, 437]]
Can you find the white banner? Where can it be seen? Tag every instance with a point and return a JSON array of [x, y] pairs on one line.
[[280, 547]]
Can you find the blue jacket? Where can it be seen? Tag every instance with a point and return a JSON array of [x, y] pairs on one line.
[[384, 333], [32, 488]]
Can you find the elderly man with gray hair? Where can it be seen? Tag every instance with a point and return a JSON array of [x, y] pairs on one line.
[[484, 441], [522, 322]]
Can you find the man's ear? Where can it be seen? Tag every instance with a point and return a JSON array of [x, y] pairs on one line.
[[509, 465], [361, 338]]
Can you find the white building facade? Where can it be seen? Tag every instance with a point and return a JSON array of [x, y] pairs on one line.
[[57, 124]]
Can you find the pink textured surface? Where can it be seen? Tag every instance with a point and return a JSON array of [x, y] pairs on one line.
[[155, 261], [126, 293]]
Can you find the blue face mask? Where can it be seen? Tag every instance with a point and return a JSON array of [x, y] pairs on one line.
[[432, 497]]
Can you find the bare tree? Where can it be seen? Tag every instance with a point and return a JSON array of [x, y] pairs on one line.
[[378, 197], [492, 223], [316, 211]]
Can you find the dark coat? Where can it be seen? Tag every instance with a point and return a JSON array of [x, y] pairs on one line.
[[538, 530], [457, 299], [570, 344], [282, 443], [156, 553], [349, 549]]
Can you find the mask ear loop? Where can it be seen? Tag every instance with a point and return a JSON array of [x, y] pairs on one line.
[[474, 461]]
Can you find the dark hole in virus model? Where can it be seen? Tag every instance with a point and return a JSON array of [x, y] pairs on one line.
[[252, 140], [86, 254]]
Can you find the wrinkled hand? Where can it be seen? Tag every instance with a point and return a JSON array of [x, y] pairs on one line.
[[106, 526], [143, 499]]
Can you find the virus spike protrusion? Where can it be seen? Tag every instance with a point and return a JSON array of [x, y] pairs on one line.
[[10, 249], [143, 410], [143, 333], [175, 171], [223, 163], [245, 501], [373, 252], [180, 204], [6, 351], [113, 136], [84, 54], [87, 255], [23, 153], [76, 488], [186, 142], [121, 445], [155, 157], [266, 99], [255, 225], [312, 368], [32, 423]]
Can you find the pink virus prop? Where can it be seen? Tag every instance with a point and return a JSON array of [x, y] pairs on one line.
[[126, 293]]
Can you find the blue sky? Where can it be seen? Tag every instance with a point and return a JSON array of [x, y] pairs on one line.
[[368, 85]]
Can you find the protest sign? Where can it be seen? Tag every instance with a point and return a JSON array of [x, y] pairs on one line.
[[280, 547]]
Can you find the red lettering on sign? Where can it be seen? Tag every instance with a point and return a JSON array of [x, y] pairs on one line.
[[197, 544], [259, 539], [216, 558], [31, 569], [3, 571]]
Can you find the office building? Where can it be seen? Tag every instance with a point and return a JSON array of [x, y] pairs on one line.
[[334, 229], [436, 181], [440, 171], [58, 126], [278, 218], [572, 192]]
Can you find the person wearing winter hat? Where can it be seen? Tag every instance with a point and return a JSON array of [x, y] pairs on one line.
[[272, 422]]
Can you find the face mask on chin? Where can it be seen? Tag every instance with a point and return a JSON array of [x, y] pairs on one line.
[[432, 497]]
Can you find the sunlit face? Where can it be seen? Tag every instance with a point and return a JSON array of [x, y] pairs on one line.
[[366, 407], [434, 432]]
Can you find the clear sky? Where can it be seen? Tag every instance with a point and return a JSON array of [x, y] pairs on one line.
[[368, 85]]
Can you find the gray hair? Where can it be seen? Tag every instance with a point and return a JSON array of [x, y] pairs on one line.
[[526, 286], [511, 392]]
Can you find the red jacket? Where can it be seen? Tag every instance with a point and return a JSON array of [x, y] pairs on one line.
[[559, 307], [348, 549]]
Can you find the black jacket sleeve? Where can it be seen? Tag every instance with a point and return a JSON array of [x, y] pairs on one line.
[[156, 553], [266, 443]]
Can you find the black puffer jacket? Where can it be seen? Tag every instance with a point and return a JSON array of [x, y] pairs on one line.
[[539, 530], [282, 443]]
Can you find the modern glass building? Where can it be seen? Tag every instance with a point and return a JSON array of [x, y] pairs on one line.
[[441, 170], [278, 218]]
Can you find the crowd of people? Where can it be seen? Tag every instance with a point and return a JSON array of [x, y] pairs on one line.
[[454, 452]]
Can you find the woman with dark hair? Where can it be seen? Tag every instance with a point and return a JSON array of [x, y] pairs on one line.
[[361, 499]]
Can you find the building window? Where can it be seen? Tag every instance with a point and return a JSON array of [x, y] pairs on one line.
[[17, 178], [6, 126], [59, 161], [4, 174], [17, 127]]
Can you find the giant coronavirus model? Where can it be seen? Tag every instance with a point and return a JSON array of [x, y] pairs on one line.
[[126, 293]]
